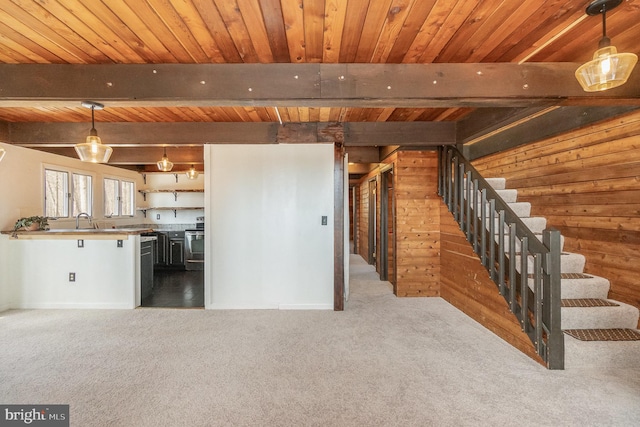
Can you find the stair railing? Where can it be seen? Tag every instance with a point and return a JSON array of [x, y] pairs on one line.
[[525, 269]]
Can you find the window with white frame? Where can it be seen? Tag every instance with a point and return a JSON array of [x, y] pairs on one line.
[[118, 198], [56, 193], [82, 194], [63, 196]]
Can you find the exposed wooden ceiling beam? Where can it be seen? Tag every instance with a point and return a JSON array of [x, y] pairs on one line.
[[30, 134], [538, 126], [363, 154], [303, 85], [141, 155]]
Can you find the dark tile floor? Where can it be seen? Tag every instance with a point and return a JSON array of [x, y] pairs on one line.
[[176, 288]]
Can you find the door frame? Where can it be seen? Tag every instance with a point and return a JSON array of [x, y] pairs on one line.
[[386, 176], [373, 206]]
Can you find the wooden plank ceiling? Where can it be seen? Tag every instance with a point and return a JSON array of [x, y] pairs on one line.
[[294, 31]]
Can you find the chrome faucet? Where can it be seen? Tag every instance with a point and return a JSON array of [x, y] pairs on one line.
[[84, 214]]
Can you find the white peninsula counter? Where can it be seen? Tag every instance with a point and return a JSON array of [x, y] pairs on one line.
[[70, 268]]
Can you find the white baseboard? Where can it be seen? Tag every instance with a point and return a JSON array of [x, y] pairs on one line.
[[305, 306], [76, 306]]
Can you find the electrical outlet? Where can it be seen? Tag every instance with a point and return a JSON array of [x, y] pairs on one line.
[[157, 216], [72, 277], [80, 243]]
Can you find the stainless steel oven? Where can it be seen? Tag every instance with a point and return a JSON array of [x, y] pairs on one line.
[[194, 249]]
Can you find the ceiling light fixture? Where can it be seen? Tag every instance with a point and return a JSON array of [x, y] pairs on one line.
[[93, 150], [164, 164], [192, 173], [608, 68]]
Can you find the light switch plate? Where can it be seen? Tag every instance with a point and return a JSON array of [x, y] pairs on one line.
[[119, 244], [80, 243], [324, 220]]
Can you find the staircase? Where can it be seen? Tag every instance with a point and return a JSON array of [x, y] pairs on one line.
[[586, 311]]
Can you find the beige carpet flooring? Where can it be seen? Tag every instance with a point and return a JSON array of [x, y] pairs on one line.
[[384, 361]]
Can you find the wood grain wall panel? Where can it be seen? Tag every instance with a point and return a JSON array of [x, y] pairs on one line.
[[586, 184], [466, 284], [417, 224], [417, 220], [363, 220]]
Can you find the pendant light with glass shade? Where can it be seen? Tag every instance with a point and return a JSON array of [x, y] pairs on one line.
[[93, 150], [164, 164], [192, 173], [608, 68]]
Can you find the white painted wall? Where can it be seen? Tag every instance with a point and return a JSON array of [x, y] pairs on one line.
[[21, 194], [106, 276], [266, 247], [167, 181]]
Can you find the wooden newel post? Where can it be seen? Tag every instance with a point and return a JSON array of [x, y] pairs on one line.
[[551, 310]]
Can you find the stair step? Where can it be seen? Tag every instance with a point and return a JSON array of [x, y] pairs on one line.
[[497, 183], [619, 316], [604, 334], [509, 195], [569, 263], [580, 285], [600, 354], [521, 209], [585, 286], [536, 224], [518, 245], [588, 302]]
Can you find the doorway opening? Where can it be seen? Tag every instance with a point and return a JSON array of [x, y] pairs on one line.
[[387, 228], [372, 222]]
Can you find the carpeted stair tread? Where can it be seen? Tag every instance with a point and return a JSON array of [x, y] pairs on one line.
[[575, 276], [571, 276], [587, 302], [604, 334]]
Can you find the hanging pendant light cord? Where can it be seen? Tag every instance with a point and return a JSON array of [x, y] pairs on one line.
[[604, 41]]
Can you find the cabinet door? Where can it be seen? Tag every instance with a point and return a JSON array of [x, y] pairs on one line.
[[161, 256], [146, 269], [176, 252]]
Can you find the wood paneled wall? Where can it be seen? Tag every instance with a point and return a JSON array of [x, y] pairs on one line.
[[417, 222], [466, 284], [363, 220], [587, 184]]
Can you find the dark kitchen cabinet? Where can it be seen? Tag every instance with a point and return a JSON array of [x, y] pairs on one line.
[[175, 255], [146, 268], [176, 252], [161, 249]]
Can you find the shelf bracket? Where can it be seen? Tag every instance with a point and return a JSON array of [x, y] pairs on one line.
[[176, 175], [144, 196], [175, 213], [144, 212], [175, 195], [144, 178]]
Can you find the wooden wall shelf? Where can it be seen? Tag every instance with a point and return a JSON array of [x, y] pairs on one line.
[[168, 208], [175, 192]]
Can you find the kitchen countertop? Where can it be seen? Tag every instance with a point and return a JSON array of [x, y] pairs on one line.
[[84, 233]]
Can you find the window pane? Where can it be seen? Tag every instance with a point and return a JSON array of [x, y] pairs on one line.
[[82, 194], [127, 199], [111, 197], [56, 186]]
